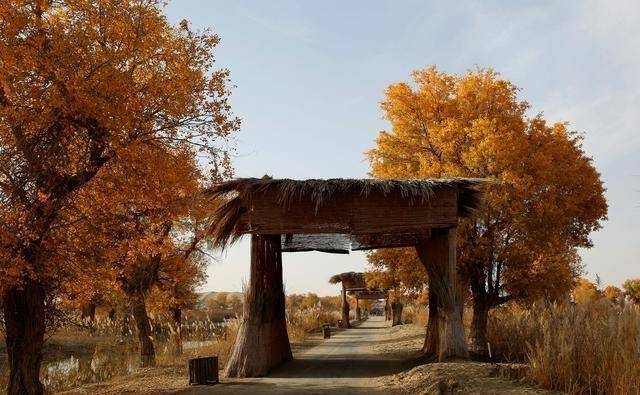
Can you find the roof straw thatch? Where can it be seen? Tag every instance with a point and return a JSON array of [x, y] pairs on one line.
[[226, 224], [349, 279]]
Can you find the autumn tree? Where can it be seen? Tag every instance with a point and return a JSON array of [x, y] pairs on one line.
[[236, 303], [310, 301], [222, 299], [585, 292], [399, 271], [546, 198], [613, 294], [86, 87], [150, 239], [184, 268], [632, 290]]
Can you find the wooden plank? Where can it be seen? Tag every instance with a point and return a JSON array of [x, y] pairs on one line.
[[350, 213], [327, 242], [371, 295], [387, 240], [344, 243]]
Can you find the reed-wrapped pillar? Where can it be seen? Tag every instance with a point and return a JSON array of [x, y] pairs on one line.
[[345, 307], [438, 255], [262, 343]]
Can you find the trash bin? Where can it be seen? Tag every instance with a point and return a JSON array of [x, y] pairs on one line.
[[326, 331], [203, 371]]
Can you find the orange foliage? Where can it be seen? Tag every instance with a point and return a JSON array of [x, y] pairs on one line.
[[95, 92], [110, 122], [399, 270], [547, 197], [632, 289], [613, 294], [585, 292]]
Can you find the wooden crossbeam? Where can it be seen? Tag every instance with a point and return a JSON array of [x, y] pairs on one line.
[[343, 243], [349, 213]]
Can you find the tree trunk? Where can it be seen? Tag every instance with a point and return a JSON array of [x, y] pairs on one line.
[[112, 314], [345, 308], [432, 338], [396, 313], [147, 352], [387, 310], [125, 330], [262, 342], [88, 312], [438, 255], [478, 335], [176, 334], [358, 312], [24, 317]]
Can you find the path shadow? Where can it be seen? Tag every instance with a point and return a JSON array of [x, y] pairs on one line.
[[339, 367], [259, 387]]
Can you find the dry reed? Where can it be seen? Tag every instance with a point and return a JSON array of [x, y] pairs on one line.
[[589, 348]]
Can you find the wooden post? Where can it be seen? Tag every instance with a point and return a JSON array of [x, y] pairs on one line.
[[345, 308], [262, 343], [438, 255], [358, 315]]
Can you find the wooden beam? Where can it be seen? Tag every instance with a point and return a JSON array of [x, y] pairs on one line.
[[351, 213], [371, 295], [343, 243]]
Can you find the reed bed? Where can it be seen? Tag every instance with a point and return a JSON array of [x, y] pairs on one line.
[[591, 348]]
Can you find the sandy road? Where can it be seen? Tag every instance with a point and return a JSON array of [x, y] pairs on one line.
[[344, 364]]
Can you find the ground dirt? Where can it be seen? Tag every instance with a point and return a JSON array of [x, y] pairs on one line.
[[370, 358], [463, 377]]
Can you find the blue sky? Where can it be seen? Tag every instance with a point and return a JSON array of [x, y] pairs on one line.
[[309, 77]]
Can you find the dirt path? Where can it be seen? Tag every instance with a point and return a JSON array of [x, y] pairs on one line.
[[345, 364]]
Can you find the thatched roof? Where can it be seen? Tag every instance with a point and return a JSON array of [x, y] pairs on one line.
[[349, 279], [227, 225]]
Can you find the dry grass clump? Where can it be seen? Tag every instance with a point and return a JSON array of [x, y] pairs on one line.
[[223, 343], [511, 331], [306, 313], [301, 322], [591, 348], [415, 314]]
